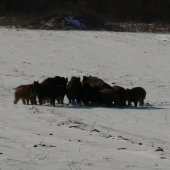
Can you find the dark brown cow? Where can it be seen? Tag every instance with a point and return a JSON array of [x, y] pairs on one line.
[[136, 94], [107, 96], [96, 82], [91, 86], [89, 94], [58, 81], [122, 94], [74, 89], [51, 92]]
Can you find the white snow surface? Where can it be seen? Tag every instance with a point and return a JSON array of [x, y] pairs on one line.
[[75, 137]]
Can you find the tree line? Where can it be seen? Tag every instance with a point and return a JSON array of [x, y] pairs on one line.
[[113, 10]]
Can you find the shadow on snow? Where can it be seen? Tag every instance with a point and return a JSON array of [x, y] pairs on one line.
[[78, 106]]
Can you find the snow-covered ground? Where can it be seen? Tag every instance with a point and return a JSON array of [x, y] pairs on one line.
[[75, 137]]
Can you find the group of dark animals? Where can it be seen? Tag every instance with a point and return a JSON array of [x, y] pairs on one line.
[[91, 91]]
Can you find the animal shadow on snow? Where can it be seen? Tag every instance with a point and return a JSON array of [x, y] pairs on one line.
[[79, 106], [145, 107], [69, 106]]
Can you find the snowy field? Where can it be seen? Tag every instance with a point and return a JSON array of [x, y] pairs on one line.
[[75, 137]]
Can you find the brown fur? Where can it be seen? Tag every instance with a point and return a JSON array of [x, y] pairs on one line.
[[96, 82], [74, 89], [136, 94], [25, 92], [89, 94], [57, 80], [51, 92], [122, 93], [38, 86], [107, 96], [91, 86]]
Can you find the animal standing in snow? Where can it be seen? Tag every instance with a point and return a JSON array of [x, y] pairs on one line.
[[74, 89], [89, 94], [107, 96], [57, 81], [97, 91], [91, 86], [122, 94], [25, 92], [95, 81], [51, 92], [136, 94]]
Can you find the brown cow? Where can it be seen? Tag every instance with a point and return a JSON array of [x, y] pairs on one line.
[[25, 92], [89, 94], [107, 96], [122, 94], [74, 89], [95, 81], [51, 92], [91, 86], [58, 81], [136, 94]]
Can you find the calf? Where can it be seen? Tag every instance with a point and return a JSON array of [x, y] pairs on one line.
[[136, 94]]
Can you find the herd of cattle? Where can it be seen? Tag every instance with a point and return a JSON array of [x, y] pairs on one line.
[[89, 91]]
